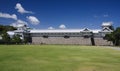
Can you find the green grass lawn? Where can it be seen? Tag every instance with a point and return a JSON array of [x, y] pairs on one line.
[[58, 58]]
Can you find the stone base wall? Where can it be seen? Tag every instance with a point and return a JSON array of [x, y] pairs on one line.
[[61, 40], [101, 41], [71, 40]]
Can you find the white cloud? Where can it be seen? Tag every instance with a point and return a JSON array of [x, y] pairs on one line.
[[50, 28], [6, 15], [101, 16], [21, 9], [106, 15], [19, 23], [33, 20], [62, 26]]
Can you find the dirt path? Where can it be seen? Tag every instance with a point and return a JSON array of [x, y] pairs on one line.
[[116, 48]]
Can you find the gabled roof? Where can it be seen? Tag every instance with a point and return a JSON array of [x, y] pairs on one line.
[[86, 29], [106, 29]]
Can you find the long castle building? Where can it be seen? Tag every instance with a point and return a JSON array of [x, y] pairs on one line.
[[65, 36]]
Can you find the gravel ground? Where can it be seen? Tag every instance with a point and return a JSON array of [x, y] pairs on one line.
[[116, 48]]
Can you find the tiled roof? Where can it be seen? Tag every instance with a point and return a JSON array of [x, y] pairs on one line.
[[62, 31]]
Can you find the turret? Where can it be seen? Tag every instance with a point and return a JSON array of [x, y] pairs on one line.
[[21, 27], [107, 26]]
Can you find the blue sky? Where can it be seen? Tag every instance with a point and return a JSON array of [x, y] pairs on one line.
[[42, 14]]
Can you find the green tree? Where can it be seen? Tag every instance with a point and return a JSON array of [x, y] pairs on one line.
[[6, 28], [16, 39], [117, 36], [110, 37], [114, 37], [3, 32], [5, 38]]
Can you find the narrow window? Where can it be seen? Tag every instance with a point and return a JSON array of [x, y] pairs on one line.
[[45, 36], [66, 37]]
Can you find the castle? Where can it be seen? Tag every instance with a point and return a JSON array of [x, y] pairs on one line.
[[65, 36]]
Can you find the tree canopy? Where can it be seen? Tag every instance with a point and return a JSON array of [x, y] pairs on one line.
[[16, 39], [114, 37], [5, 37], [6, 28]]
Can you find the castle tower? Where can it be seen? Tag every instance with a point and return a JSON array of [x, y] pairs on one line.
[[107, 26]]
